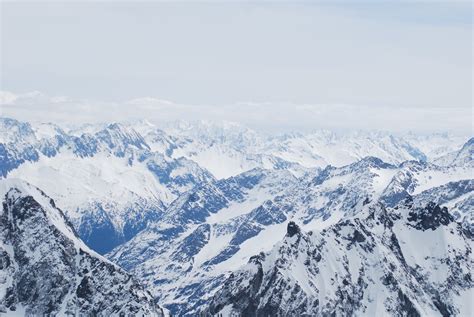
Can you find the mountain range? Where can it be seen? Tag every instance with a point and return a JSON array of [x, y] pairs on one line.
[[210, 219]]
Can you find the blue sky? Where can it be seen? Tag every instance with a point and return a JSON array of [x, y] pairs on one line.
[[390, 54]]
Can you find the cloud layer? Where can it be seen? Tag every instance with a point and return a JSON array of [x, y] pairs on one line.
[[271, 116], [352, 52]]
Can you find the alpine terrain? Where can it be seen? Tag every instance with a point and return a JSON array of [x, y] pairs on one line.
[[216, 219]]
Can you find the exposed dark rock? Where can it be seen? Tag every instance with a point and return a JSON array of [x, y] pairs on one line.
[[292, 229], [430, 217]]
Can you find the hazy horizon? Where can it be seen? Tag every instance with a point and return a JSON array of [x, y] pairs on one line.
[[389, 65], [272, 118]]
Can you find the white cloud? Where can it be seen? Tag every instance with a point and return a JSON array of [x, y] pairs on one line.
[[7, 97], [268, 116]]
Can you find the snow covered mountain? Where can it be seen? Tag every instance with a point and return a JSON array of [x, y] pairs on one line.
[[109, 182], [217, 237], [402, 261], [183, 207], [239, 148], [173, 253], [114, 180], [225, 149], [459, 157], [45, 269], [436, 145], [322, 148]]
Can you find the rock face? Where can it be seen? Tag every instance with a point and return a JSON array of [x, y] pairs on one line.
[[405, 261], [292, 229], [45, 269], [457, 196]]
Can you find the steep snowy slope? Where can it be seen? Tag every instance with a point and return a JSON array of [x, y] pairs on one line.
[[437, 144], [17, 141], [457, 196], [404, 261], [217, 237], [332, 193], [190, 234], [47, 270], [110, 182], [105, 195], [13, 131], [461, 157]]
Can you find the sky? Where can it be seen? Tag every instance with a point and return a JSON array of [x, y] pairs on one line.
[[276, 65]]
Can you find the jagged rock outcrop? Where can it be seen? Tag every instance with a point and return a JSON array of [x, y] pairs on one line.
[[46, 270], [405, 261]]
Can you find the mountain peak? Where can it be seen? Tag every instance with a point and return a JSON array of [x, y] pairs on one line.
[[350, 262], [372, 161], [119, 137], [47, 270], [292, 228]]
